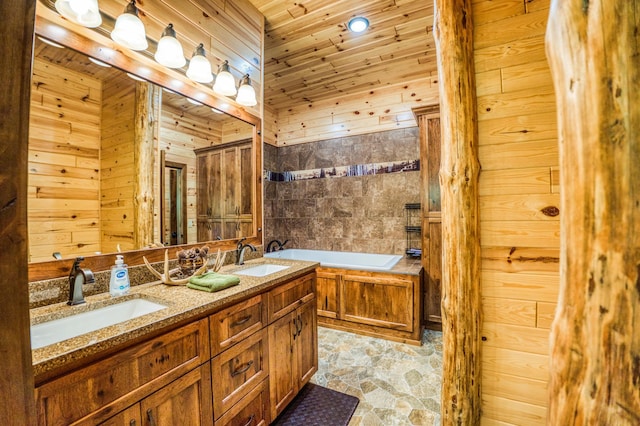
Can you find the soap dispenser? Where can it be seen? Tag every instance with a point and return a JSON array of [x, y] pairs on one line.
[[119, 283]]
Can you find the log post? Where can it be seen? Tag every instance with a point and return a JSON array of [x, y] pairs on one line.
[[459, 172], [143, 163], [16, 371], [593, 50]]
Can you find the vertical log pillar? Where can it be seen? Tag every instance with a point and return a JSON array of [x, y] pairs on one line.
[[143, 164], [593, 49], [459, 172], [16, 372]]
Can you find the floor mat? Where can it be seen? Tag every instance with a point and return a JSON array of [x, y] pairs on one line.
[[318, 406]]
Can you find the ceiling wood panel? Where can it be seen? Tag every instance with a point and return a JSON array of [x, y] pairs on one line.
[[310, 55]]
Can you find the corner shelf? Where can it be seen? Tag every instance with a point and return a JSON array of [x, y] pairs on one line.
[[414, 232]]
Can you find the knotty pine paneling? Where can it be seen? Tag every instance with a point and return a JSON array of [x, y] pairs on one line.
[[373, 110], [518, 207], [64, 178]]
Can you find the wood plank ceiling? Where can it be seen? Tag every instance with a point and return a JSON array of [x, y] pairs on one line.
[[310, 55]]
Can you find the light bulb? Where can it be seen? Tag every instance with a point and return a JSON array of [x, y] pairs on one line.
[[246, 93], [199, 66], [169, 52], [82, 12], [358, 24], [129, 29], [225, 83]]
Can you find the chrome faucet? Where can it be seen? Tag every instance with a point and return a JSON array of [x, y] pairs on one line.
[[280, 246], [240, 251], [78, 277]]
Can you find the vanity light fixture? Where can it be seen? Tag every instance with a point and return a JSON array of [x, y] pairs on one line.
[[50, 43], [199, 66], [358, 24], [82, 12], [225, 83], [98, 62], [129, 29], [246, 93], [169, 52]]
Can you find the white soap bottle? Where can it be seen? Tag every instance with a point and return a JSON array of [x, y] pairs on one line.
[[119, 283]]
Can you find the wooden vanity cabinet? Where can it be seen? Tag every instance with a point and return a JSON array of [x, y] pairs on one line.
[[97, 392], [293, 340]]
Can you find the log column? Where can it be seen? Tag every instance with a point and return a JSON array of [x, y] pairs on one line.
[[459, 172], [593, 50]]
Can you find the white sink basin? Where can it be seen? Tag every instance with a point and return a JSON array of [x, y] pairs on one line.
[[262, 270], [57, 330]]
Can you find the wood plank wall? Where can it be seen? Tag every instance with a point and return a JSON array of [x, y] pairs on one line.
[[373, 110], [64, 147], [519, 198], [116, 164]]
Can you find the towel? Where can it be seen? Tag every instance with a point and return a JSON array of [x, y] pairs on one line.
[[212, 281]]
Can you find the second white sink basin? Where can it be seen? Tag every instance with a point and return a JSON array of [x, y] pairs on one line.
[[262, 270], [57, 330]]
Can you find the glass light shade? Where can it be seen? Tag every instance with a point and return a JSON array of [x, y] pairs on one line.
[[199, 67], [169, 52], [82, 12], [358, 24], [246, 93], [225, 83], [129, 29]]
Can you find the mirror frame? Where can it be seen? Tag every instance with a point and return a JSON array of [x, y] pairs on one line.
[[96, 43]]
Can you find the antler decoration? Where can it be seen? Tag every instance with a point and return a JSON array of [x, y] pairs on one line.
[[165, 277]]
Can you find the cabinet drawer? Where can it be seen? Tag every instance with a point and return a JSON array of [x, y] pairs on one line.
[[235, 323], [288, 297], [236, 371], [252, 410], [112, 384]]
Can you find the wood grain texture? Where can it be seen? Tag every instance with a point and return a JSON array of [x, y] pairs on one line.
[[595, 337], [16, 381], [459, 171]]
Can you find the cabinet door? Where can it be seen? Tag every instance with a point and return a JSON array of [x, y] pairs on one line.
[[306, 342], [252, 410], [245, 195], [185, 402], [234, 324], [287, 297], [282, 379], [231, 176]]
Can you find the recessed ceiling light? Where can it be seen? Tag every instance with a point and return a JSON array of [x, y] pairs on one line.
[[358, 24], [50, 43], [100, 63]]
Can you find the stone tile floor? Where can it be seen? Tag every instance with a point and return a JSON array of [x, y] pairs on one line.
[[397, 384]]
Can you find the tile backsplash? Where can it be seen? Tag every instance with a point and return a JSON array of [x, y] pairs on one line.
[[359, 212]]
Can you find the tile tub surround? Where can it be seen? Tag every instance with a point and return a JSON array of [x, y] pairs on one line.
[[397, 384], [355, 213]]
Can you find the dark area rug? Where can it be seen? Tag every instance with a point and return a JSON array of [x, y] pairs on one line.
[[318, 406]]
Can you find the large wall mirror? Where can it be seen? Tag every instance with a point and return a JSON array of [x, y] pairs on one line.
[[90, 123]]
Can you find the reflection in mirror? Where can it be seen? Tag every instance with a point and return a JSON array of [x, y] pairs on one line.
[[91, 187]]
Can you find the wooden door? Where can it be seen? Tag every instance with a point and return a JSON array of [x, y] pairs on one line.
[[282, 378], [430, 139], [327, 294], [306, 342], [185, 402]]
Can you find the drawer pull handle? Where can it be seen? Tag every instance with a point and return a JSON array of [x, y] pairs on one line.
[[299, 326], [152, 421], [132, 422], [241, 321], [250, 421], [242, 369]]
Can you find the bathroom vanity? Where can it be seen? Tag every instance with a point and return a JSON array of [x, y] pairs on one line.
[[237, 356]]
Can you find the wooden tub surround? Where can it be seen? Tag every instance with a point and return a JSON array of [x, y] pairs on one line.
[[238, 356]]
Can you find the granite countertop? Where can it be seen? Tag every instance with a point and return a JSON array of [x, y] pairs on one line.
[[182, 304]]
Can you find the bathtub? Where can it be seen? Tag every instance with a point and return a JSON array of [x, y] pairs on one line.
[[340, 259]]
